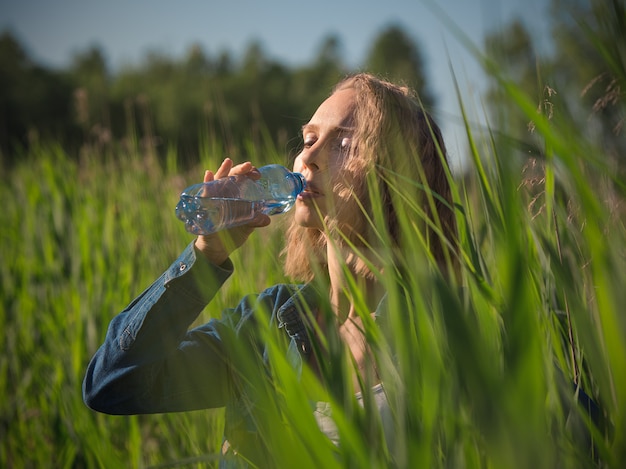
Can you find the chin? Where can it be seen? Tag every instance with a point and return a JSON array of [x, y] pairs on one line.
[[307, 219]]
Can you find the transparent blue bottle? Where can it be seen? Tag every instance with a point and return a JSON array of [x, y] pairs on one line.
[[228, 202]]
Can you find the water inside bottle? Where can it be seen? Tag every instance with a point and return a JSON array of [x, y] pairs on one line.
[[206, 215], [275, 207]]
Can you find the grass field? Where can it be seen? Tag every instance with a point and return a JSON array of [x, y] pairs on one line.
[[480, 367]]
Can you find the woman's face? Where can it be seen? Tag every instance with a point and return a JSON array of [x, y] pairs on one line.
[[327, 139]]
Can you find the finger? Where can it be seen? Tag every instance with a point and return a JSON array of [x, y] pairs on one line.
[[260, 221], [224, 168], [208, 176], [242, 168]]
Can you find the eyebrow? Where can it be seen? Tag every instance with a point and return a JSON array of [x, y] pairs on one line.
[[336, 129]]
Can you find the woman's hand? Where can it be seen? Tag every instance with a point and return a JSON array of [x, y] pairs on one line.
[[217, 246]]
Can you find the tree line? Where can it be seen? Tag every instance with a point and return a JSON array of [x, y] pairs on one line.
[[167, 102], [185, 103]]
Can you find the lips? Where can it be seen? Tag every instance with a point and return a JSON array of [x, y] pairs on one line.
[[310, 192]]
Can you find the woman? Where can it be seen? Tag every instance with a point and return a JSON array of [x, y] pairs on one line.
[[359, 147]]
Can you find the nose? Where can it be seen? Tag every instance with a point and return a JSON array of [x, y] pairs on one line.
[[309, 164], [313, 158]]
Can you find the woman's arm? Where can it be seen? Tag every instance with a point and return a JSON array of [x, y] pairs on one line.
[[149, 362]]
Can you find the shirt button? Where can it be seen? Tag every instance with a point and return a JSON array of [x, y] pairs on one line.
[[182, 267]]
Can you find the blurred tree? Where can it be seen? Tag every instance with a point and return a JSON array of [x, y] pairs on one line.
[[91, 80], [197, 63], [581, 80], [224, 63], [13, 66], [330, 53], [34, 102], [590, 63], [396, 56], [313, 83], [156, 101], [514, 54], [265, 86]]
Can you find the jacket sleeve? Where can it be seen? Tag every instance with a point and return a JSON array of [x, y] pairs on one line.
[[149, 361]]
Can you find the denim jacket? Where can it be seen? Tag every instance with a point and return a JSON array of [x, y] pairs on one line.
[[151, 362]]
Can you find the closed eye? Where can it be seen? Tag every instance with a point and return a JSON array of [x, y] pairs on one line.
[[309, 138]]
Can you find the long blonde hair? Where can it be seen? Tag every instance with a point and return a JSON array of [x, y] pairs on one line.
[[394, 138]]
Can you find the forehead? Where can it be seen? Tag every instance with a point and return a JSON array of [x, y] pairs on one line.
[[336, 111]]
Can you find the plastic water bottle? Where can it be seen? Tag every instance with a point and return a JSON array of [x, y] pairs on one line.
[[224, 203]]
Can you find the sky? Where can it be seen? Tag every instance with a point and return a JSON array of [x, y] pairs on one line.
[[53, 31]]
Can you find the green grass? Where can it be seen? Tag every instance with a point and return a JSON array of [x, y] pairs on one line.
[[476, 379]]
